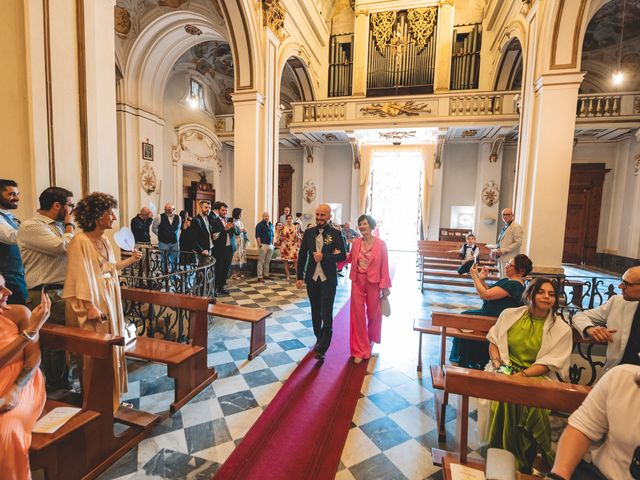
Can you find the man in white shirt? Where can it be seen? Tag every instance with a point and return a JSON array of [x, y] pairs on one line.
[[167, 227], [43, 241], [617, 322], [10, 260], [610, 411], [283, 217]]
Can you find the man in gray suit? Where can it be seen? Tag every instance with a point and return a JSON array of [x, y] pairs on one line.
[[509, 241]]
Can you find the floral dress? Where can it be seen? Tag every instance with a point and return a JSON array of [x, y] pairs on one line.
[[289, 242]]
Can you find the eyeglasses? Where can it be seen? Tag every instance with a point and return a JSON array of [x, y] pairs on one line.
[[629, 284]]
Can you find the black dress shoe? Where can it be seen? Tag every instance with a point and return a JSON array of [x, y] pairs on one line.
[[223, 291], [319, 355]]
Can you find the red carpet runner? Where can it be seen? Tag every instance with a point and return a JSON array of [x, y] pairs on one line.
[[302, 432]]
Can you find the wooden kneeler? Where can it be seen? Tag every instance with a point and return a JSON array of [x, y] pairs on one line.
[[87, 444]]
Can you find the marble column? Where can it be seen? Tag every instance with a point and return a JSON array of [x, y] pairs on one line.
[[445, 45], [249, 179], [489, 171], [543, 168], [360, 53]]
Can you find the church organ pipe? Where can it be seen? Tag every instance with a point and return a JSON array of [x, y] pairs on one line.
[[465, 58], [340, 65]]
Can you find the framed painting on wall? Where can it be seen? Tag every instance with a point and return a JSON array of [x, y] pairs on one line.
[[147, 151]]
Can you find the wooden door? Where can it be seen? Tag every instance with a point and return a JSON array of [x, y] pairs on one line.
[[285, 184], [583, 212]]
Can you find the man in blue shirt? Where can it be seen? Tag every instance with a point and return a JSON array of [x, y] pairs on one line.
[[264, 238]]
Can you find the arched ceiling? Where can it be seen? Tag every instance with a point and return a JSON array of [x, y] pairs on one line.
[[601, 47]]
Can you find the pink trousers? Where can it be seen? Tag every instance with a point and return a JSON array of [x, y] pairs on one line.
[[365, 326]]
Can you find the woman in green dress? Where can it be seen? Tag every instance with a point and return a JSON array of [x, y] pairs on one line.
[[505, 293], [534, 344]]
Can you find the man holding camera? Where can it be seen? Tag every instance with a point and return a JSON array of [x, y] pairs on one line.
[[222, 249]]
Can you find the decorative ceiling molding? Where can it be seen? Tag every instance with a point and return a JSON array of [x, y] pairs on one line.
[[395, 109]]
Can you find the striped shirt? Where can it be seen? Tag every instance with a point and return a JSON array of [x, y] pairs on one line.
[[43, 246]]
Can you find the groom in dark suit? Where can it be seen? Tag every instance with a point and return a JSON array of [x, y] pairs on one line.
[[317, 253]]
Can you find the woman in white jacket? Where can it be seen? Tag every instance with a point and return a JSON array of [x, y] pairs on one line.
[[532, 342]]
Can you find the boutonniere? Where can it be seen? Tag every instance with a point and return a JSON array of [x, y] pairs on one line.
[[328, 240]]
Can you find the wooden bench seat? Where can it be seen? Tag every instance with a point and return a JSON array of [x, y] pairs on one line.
[[40, 441], [87, 445], [186, 363], [256, 316], [532, 392]]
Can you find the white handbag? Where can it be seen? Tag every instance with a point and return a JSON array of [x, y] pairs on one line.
[[385, 308]]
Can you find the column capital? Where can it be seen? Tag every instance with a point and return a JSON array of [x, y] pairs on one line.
[[559, 80], [360, 12], [244, 97]]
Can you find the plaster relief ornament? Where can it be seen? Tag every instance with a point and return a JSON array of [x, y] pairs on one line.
[[122, 20], [422, 21], [396, 109], [273, 14], [309, 191], [636, 166], [148, 180], [490, 194]]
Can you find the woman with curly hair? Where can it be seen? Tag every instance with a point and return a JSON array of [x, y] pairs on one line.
[[91, 287]]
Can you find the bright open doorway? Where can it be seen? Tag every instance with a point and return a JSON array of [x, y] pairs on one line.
[[394, 201]]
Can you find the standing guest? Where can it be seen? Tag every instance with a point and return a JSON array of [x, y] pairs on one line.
[[44, 239], [202, 229], [283, 217], [505, 293], [322, 247], [239, 259], [533, 343], [140, 226], [10, 260], [91, 288], [617, 322], [369, 282], [187, 241], [607, 417], [22, 393], [222, 247], [289, 238], [298, 221], [509, 241], [167, 227], [349, 235], [264, 239], [469, 253]]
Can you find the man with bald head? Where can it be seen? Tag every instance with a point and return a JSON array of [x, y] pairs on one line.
[[140, 226], [322, 247], [509, 241], [167, 227], [617, 322]]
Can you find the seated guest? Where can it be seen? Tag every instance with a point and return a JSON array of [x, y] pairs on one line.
[[22, 393], [531, 342], [617, 322], [505, 293], [609, 413], [91, 288], [469, 253]]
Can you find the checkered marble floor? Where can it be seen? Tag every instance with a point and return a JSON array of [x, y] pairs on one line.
[[393, 428]]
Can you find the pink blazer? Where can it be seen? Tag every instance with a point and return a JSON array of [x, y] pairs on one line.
[[378, 270]]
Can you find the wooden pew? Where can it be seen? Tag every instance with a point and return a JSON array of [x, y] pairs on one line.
[[449, 325], [533, 392], [257, 317], [186, 363], [86, 445]]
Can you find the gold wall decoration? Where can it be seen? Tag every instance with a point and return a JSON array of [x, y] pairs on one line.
[[421, 22], [148, 180], [400, 135], [309, 190], [396, 109], [273, 14], [122, 20], [490, 194], [382, 28]]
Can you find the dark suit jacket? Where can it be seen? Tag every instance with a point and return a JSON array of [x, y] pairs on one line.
[[200, 234], [220, 244], [332, 241]]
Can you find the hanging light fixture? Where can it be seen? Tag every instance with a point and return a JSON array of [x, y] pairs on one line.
[[618, 75]]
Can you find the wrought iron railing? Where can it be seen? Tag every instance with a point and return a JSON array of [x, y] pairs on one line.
[[187, 273], [578, 293]]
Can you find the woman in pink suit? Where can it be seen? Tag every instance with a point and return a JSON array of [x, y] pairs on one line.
[[369, 282]]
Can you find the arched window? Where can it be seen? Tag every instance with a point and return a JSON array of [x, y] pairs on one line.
[[196, 99]]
